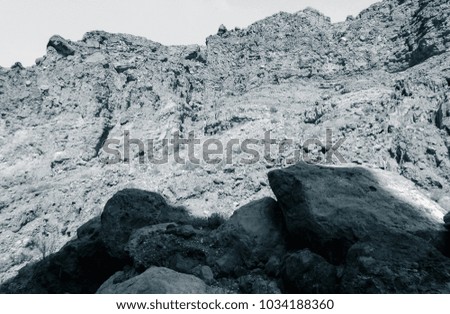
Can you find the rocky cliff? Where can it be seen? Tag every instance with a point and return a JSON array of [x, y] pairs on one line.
[[379, 80]]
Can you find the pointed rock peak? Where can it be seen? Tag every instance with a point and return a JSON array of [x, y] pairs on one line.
[[222, 30]]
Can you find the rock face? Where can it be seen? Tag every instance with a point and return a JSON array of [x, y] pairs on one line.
[[157, 280], [331, 208], [378, 84], [131, 209]]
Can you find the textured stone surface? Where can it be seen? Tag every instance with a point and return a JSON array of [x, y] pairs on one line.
[[447, 220], [81, 266], [131, 209], [253, 234], [61, 46], [379, 79], [251, 252], [331, 208], [166, 248], [260, 223], [395, 263], [157, 280]]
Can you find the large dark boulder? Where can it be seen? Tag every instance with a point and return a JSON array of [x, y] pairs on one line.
[[132, 209], [329, 208]]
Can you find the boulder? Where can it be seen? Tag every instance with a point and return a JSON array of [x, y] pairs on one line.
[[121, 67], [395, 263], [131, 209], [61, 46], [306, 272], [194, 53], [231, 261], [329, 208], [262, 221], [252, 235], [444, 202], [156, 280], [222, 30]]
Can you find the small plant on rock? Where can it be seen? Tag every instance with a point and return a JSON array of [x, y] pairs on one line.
[[46, 243]]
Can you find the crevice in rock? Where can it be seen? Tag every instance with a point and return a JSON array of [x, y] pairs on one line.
[[102, 139]]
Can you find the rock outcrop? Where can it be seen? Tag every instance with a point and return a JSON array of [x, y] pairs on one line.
[[447, 220], [370, 91]]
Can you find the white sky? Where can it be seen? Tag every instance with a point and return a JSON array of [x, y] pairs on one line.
[[26, 25]]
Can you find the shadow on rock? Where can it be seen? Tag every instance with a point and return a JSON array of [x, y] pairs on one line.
[[382, 233], [81, 266], [332, 230], [328, 209]]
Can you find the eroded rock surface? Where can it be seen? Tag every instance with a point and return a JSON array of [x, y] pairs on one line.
[[378, 81]]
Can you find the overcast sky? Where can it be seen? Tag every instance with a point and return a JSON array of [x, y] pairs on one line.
[[26, 25]]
